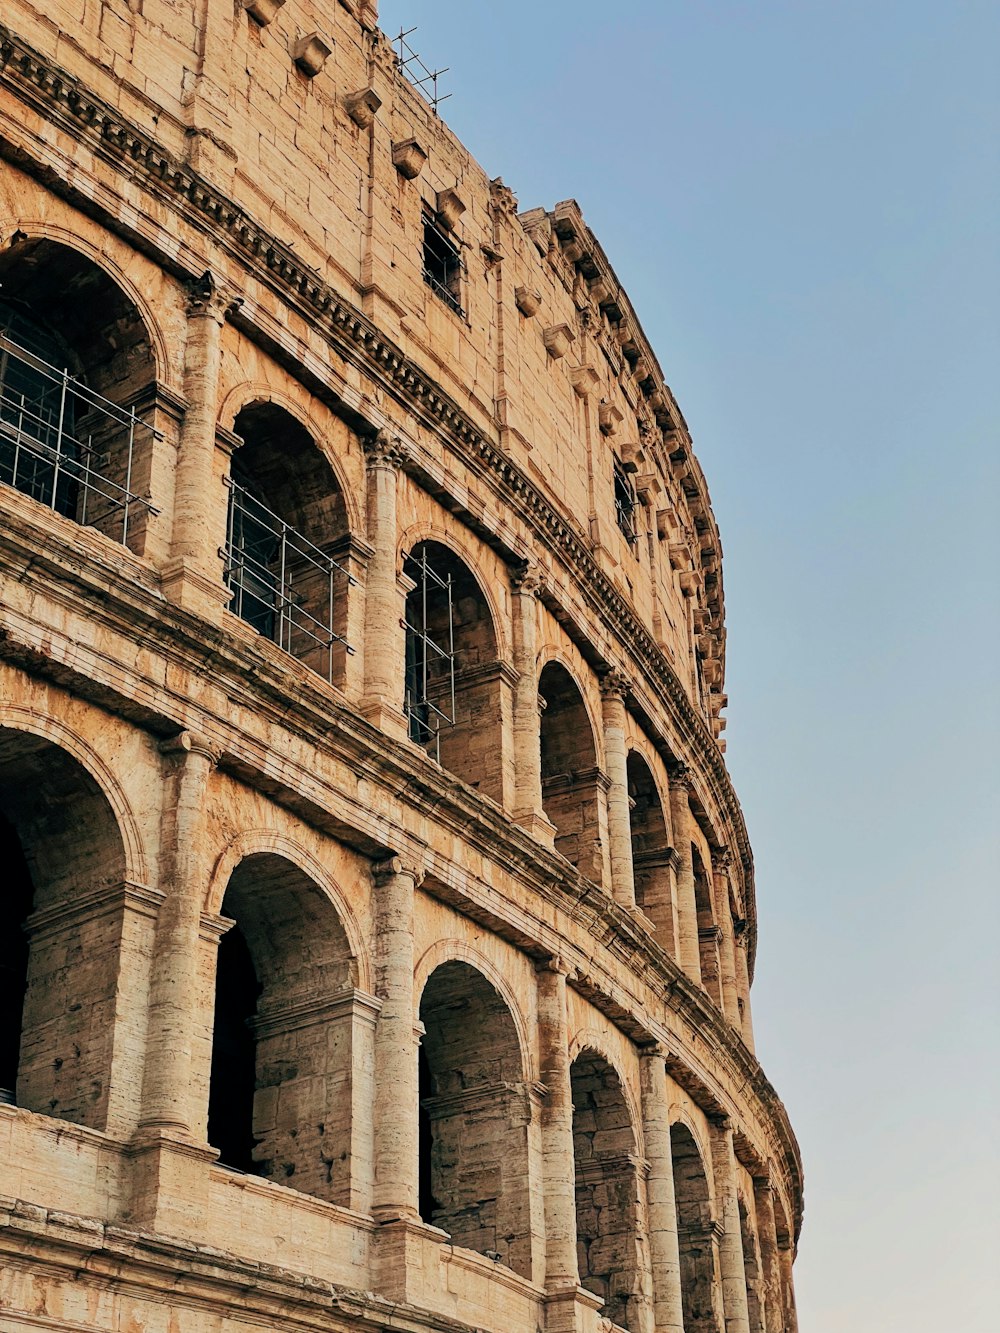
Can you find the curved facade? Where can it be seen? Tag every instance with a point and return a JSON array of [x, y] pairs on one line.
[[381, 924]]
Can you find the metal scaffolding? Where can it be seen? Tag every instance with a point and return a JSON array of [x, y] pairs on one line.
[[430, 663], [66, 446], [283, 585]]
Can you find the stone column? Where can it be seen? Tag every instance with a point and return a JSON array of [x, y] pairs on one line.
[[396, 1191], [786, 1257], [385, 642], [526, 588], [770, 1263], [734, 1279], [559, 1167], [170, 1102], [614, 687], [743, 982], [193, 574], [688, 951], [721, 865], [668, 1315]]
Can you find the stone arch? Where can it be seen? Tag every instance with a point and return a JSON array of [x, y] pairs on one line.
[[652, 856], [50, 728], [571, 774], [102, 257], [423, 530], [696, 1235], [283, 1057], [474, 1116], [456, 683], [257, 391], [454, 950], [265, 841], [79, 362], [288, 537], [608, 1203], [66, 899]]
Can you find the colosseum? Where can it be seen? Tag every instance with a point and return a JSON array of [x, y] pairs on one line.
[[379, 918]]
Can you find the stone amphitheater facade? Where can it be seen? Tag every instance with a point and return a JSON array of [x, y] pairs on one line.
[[379, 917]]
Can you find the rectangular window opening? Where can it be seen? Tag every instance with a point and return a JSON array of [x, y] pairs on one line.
[[442, 264], [625, 503]]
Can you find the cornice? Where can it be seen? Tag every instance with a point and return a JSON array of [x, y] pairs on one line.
[[201, 1276], [64, 100]]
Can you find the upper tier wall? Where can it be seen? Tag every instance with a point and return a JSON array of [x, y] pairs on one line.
[[545, 357]]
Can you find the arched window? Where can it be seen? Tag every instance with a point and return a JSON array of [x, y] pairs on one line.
[[474, 1118], [283, 1058], [76, 371], [708, 930], [60, 933], [286, 540], [700, 1295], [570, 776], [651, 852], [607, 1189], [453, 675]]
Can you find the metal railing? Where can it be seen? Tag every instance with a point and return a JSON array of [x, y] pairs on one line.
[[66, 446], [283, 585], [429, 699]]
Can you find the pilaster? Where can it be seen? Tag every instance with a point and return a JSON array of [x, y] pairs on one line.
[[614, 688], [527, 585], [688, 951], [384, 639], [668, 1314], [731, 1265]]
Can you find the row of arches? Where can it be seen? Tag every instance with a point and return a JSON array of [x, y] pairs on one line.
[[288, 1086], [73, 345]]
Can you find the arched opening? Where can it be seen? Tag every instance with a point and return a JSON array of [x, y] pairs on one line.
[[76, 378], [752, 1268], [651, 851], [453, 675], [474, 1140], [708, 930], [287, 540], [280, 1096], [695, 1235], [570, 776], [15, 907], [607, 1189], [61, 923], [234, 1054]]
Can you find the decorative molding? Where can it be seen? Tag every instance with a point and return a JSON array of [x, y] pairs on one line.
[[263, 12], [363, 106], [558, 339], [311, 53], [449, 208], [408, 157], [528, 300]]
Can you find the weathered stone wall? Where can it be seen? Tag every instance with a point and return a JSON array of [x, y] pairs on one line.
[[552, 897]]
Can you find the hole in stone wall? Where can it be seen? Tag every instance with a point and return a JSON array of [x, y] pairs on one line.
[[15, 904], [474, 1140], [234, 1054], [694, 1234], [569, 770], [607, 1199]]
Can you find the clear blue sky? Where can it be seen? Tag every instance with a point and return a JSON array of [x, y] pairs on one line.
[[802, 201]]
